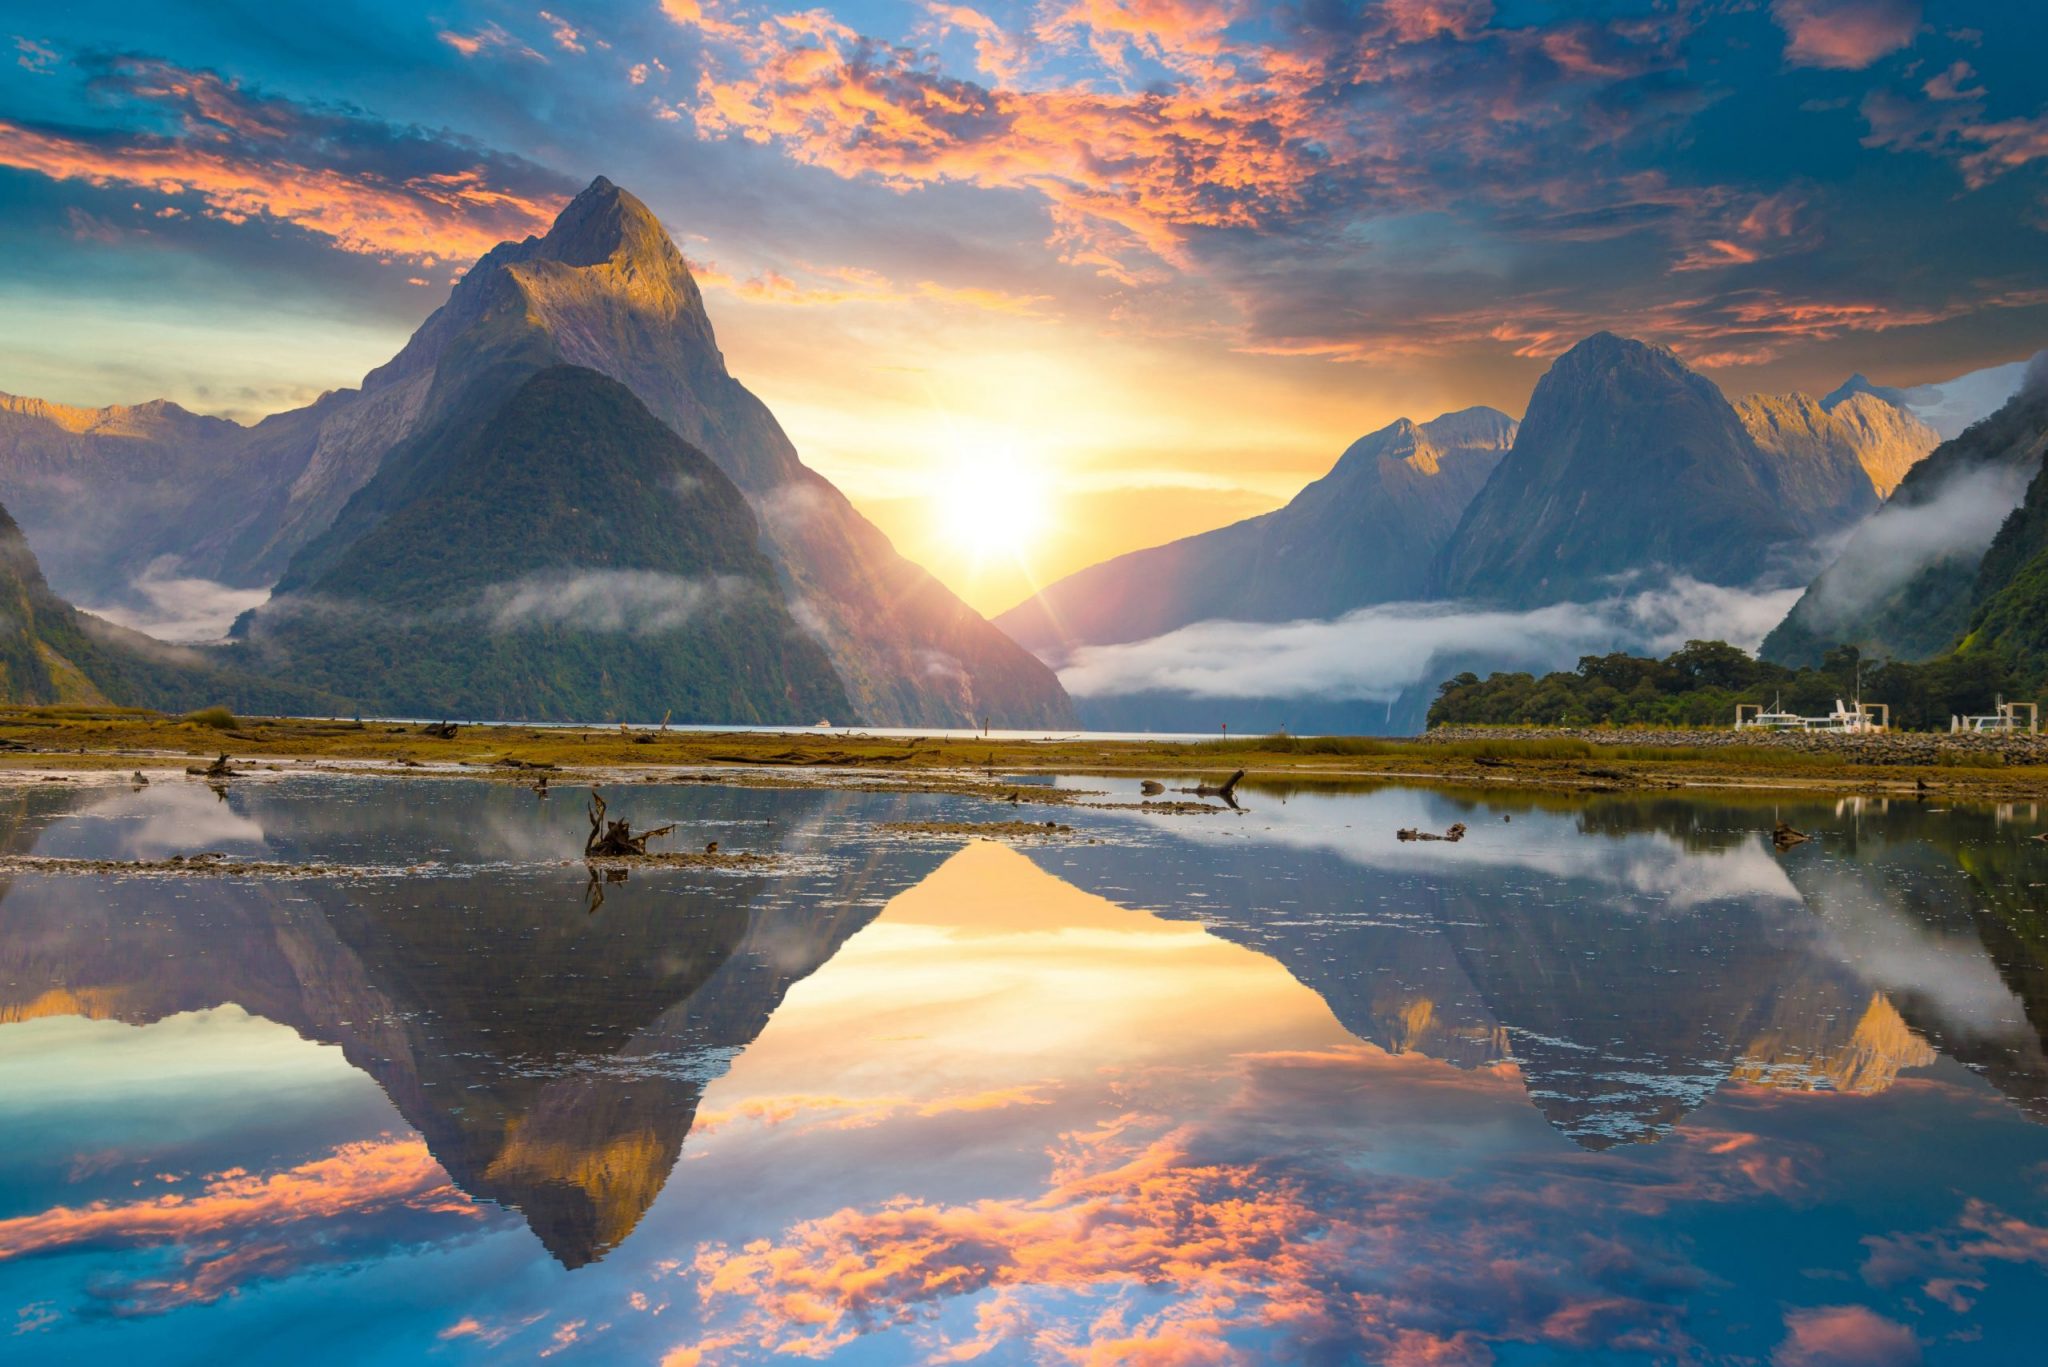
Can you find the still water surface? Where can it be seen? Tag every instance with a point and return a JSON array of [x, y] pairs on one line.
[[1609, 1081]]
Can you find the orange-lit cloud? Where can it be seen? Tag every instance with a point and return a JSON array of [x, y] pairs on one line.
[[243, 1225], [1242, 1250], [1145, 180], [852, 1113], [246, 158], [489, 38], [1952, 124], [833, 285], [1122, 174], [565, 34]]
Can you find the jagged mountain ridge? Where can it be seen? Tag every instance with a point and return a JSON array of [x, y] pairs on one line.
[[564, 557], [1629, 462], [1907, 582], [1363, 533], [1817, 444], [604, 289], [1950, 407]]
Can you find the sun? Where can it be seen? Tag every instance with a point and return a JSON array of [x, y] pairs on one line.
[[990, 505]]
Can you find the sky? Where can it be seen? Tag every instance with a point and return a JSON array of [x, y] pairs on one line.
[[1041, 283]]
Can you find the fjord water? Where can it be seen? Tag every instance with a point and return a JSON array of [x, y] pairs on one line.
[[1607, 1081]]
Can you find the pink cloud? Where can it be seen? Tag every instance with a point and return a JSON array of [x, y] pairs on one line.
[[1844, 1336], [1844, 35]]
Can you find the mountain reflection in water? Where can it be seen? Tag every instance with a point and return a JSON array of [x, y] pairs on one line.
[[1608, 1079]]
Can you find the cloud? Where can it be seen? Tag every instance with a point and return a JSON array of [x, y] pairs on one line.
[[565, 34], [1156, 1242], [367, 187], [834, 285], [33, 56], [489, 38], [1844, 35], [241, 1226], [1950, 1263], [639, 602], [1200, 128], [1379, 653], [832, 1112], [180, 608], [1844, 1336], [1955, 519], [1363, 184], [1952, 122]]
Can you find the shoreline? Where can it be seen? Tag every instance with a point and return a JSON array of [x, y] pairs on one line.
[[59, 743]]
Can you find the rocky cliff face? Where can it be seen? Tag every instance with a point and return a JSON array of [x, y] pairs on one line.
[[1364, 533], [1629, 462], [104, 492], [1950, 407], [1817, 448]]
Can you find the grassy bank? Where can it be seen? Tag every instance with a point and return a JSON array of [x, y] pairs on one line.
[[45, 739]]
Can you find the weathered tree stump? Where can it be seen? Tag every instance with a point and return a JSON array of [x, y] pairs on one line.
[[615, 839]]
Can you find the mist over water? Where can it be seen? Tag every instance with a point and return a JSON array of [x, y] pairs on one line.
[[1395, 654], [177, 607]]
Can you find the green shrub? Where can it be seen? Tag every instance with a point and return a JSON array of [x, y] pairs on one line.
[[219, 718]]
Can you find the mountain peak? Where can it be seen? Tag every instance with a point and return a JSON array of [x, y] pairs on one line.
[[1611, 348], [600, 224], [1859, 383]]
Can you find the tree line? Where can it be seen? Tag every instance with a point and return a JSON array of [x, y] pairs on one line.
[[1702, 683]]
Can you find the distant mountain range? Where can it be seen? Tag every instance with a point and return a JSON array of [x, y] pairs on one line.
[[1367, 532], [556, 502], [1627, 462], [1949, 406], [1629, 470], [120, 493]]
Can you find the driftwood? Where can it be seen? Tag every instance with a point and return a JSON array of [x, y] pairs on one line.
[[1784, 837], [440, 730], [1226, 790], [615, 839], [1454, 834], [219, 769]]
